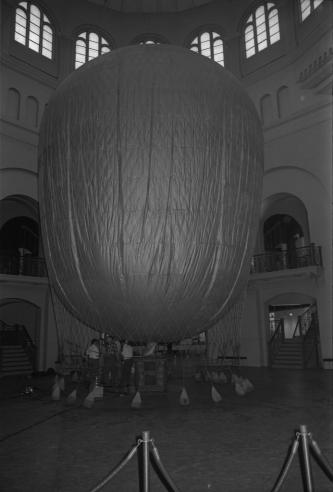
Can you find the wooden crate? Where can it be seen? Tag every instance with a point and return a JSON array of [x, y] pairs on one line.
[[150, 374]]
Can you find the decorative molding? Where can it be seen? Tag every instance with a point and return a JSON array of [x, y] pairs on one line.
[[318, 72]]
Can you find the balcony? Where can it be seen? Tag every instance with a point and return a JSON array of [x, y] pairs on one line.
[[273, 261], [11, 264]]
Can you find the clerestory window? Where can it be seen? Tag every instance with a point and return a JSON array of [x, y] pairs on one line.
[[209, 44], [307, 7], [262, 29], [89, 45], [33, 29]]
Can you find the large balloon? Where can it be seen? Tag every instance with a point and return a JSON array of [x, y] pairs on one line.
[[150, 184]]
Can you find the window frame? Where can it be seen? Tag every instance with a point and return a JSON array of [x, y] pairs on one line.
[[104, 40], [215, 34], [45, 22], [312, 9], [251, 22], [154, 38]]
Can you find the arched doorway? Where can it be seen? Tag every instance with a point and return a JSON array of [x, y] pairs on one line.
[[293, 331], [20, 335]]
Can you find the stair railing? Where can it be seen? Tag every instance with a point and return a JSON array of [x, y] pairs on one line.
[[18, 335], [311, 343], [276, 340]]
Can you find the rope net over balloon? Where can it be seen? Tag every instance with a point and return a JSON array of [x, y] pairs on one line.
[[224, 339], [150, 181], [73, 336]]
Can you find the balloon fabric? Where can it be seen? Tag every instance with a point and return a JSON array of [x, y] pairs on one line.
[[150, 178]]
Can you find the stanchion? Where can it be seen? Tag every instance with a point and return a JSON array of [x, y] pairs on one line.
[[307, 444], [145, 441], [308, 483], [145, 460]]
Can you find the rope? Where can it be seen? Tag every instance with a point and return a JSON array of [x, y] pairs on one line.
[[286, 466], [162, 469], [321, 459], [117, 469]]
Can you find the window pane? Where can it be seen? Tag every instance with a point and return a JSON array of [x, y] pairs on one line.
[[262, 46], [105, 49], [20, 26], [23, 4], [47, 53], [316, 3], [34, 12], [46, 19], [260, 14], [205, 46], [93, 38], [261, 38], [47, 42], [80, 48], [20, 38], [274, 29], [249, 38], [205, 37], [275, 38], [218, 51], [34, 28], [249, 34], [47, 34], [250, 52], [305, 13], [33, 45], [194, 48], [261, 27]]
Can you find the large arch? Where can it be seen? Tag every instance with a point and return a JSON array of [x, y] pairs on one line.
[[18, 181]]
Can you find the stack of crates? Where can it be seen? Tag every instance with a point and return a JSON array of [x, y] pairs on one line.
[[151, 374]]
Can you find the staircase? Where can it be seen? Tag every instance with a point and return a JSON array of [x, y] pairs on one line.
[[14, 360], [290, 354]]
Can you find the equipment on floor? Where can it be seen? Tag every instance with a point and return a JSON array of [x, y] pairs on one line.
[[144, 457], [308, 445]]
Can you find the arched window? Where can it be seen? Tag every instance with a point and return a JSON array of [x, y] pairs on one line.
[[149, 41], [89, 45], [262, 29], [307, 7], [13, 104], [209, 44], [33, 29]]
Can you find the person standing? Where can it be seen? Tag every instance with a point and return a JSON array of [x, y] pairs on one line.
[[93, 355]]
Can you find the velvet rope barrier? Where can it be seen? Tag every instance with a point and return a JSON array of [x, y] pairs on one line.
[[117, 469]]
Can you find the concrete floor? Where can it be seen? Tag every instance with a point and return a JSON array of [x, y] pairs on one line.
[[237, 445]]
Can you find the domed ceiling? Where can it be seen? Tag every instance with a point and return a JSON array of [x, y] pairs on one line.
[[151, 6]]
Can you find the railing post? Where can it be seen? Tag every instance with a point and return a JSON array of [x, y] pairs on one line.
[[145, 460], [306, 458]]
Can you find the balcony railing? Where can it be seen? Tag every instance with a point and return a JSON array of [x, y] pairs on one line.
[[281, 260], [11, 264]]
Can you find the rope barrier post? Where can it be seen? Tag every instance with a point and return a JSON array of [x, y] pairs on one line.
[[306, 459], [145, 460]]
